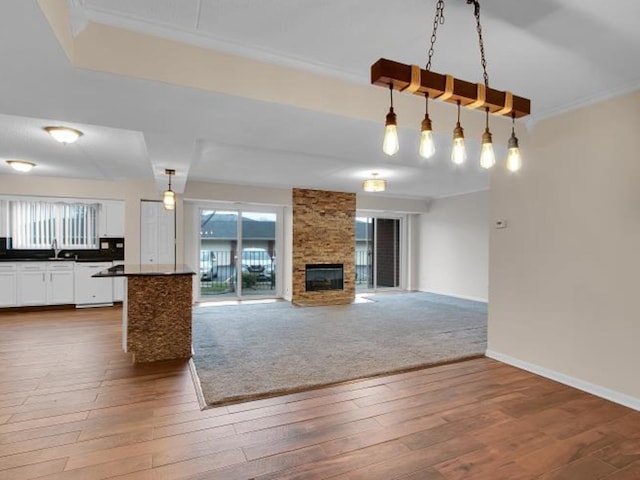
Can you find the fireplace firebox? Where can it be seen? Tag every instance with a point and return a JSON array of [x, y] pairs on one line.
[[324, 276]]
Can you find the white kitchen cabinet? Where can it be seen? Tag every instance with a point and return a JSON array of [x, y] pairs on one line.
[[4, 218], [32, 283], [89, 291], [111, 219], [45, 283], [8, 285], [60, 284]]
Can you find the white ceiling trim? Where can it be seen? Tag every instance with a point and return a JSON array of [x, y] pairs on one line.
[[77, 16], [602, 96], [204, 40]]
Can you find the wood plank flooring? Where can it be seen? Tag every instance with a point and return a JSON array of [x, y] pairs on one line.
[[73, 407]]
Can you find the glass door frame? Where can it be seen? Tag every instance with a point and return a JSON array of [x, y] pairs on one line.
[[402, 244], [241, 208]]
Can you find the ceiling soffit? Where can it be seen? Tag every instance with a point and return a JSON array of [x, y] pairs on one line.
[[112, 50]]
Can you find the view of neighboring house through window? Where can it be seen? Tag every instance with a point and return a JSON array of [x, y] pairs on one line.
[[36, 224], [237, 253]]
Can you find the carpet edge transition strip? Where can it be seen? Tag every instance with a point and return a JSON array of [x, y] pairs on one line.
[[290, 391], [197, 385]]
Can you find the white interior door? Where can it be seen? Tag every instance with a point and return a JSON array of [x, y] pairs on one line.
[[157, 233]]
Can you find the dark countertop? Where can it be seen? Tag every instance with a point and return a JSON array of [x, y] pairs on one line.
[[145, 270]]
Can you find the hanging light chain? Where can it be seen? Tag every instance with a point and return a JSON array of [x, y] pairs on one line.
[[438, 20], [483, 60]]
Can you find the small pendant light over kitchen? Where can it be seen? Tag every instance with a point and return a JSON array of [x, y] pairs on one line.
[[169, 197]]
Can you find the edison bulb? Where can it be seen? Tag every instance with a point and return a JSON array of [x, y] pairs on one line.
[[390, 145], [514, 159], [427, 145], [459, 151], [487, 157]]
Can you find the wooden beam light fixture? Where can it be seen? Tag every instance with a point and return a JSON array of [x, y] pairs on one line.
[[431, 85]]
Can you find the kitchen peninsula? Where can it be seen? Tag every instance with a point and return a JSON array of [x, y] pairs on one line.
[[156, 313]]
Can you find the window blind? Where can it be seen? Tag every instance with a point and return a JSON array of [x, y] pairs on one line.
[[36, 224]]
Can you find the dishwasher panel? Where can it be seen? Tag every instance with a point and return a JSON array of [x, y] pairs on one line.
[[92, 292]]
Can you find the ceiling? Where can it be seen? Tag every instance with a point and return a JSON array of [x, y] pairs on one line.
[[324, 132]]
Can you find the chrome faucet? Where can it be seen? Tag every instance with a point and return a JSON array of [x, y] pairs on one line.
[[56, 250]]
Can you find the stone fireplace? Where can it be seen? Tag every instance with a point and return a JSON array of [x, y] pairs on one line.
[[323, 239]]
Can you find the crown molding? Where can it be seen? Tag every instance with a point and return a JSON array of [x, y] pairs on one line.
[[599, 97], [77, 16], [204, 40]]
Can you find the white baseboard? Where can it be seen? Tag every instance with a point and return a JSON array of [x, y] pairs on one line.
[[474, 299], [583, 385]]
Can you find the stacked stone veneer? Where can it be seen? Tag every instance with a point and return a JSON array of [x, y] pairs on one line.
[[323, 232], [159, 317]]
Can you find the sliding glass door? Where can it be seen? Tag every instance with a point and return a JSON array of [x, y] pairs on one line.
[[378, 252], [237, 253], [258, 254]]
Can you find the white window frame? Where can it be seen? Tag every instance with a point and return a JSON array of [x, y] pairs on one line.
[[35, 223]]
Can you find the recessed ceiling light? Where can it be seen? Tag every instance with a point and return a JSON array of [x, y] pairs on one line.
[[64, 135], [21, 165]]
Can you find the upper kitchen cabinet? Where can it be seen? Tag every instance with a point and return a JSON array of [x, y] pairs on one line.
[[4, 218], [111, 219]]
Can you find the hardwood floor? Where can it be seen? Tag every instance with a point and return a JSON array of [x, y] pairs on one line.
[[73, 407]]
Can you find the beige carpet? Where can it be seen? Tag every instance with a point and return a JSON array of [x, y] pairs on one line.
[[246, 352]]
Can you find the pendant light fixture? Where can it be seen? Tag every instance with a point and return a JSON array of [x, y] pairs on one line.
[[427, 146], [374, 184], [514, 157], [390, 144], [487, 157], [458, 151], [65, 135], [428, 84], [169, 197]]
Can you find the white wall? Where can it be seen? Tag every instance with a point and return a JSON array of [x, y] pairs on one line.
[[454, 247], [565, 274]]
